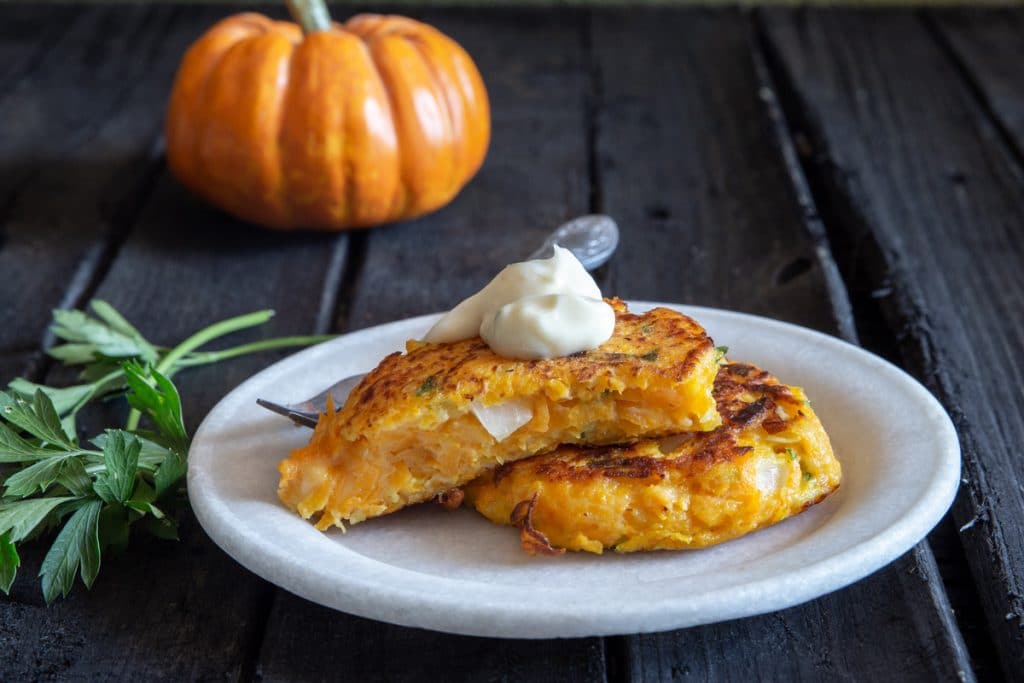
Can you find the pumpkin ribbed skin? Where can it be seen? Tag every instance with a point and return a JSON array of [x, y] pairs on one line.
[[380, 119]]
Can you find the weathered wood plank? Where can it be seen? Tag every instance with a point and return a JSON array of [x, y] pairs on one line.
[[535, 177], [990, 47], [25, 41], [366, 650], [687, 161], [80, 123], [82, 96], [207, 616], [926, 204], [182, 267], [15, 365], [702, 222], [833, 638]]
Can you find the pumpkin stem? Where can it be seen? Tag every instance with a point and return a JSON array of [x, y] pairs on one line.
[[311, 15]]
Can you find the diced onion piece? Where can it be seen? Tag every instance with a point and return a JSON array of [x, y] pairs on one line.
[[773, 438], [502, 419], [767, 476]]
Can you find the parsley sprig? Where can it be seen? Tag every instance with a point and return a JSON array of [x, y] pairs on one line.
[[95, 491]]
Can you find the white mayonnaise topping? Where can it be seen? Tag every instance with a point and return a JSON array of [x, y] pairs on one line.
[[543, 308], [548, 326]]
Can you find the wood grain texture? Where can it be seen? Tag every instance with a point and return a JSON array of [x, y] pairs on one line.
[[174, 611], [535, 177], [371, 651], [682, 154], [82, 94], [82, 116], [15, 365], [687, 167], [990, 47], [875, 630], [928, 210], [689, 163]]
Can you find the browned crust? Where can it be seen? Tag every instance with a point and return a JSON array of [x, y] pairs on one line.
[[578, 464], [533, 541], [814, 501], [660, 342], [450, 499], [747, 398]]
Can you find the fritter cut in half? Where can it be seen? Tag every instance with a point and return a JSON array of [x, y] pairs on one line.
[[769, 460], [440, 415]]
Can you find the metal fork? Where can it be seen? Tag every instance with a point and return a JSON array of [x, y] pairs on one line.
[[592, 239], [306, 413]]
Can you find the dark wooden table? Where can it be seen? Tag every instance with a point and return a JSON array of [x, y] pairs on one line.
[[858, 172]]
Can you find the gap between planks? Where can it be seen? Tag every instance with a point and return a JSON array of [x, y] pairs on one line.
[[960, 603], [770, 75], [346, 262], [973, 85], [940, 632]]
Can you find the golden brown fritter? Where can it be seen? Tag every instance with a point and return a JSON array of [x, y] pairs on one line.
[[410, 430], [769, 460]]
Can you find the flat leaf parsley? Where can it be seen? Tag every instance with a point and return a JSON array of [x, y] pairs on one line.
[[93, 492]]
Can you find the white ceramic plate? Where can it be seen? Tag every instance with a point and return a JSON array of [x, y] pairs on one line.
[[456, 572]]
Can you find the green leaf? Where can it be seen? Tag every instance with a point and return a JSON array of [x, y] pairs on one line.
[[65, 399], [169, 473], [115, 320], [155, 396], [121, 460], [143, 493], [74, 478], [38, 417], [76, 546], [38, 477], [117, 340], [142, 500], [145, 508], [73, 354], [114, 528], [15, 449], [720, 352], [135, 476], [151, 455], [9, 563], [55, 431], [21, 517]]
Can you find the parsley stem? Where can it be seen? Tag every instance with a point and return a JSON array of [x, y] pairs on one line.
[[210, 333], [206, 357], [203, 336]]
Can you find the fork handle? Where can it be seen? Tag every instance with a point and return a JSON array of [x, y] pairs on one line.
[[300, 418]]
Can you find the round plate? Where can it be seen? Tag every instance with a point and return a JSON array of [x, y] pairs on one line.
[[457, 572]]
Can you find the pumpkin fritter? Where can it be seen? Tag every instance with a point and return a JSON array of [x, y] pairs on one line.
[[409, 431], [769, 460]]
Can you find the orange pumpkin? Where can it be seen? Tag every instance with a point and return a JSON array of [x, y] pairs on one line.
[[330, 127]]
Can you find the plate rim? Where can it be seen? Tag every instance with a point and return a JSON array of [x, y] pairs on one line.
[[820, 577]]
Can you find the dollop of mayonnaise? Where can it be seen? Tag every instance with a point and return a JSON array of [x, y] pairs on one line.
[[543, 308]]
